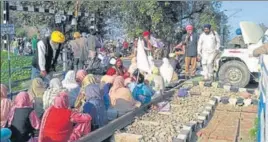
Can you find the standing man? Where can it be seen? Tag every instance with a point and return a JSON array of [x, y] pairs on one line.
[[147, 43], [34, 44], [208, 46], [45, 58], [77, 51], [189, 45]]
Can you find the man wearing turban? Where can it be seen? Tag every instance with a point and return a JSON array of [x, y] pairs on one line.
[[208, 46]]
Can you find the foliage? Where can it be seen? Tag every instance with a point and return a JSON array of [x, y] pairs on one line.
[[17, 62]]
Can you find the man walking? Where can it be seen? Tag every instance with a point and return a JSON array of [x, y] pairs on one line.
[[208, 46], [45, 58]]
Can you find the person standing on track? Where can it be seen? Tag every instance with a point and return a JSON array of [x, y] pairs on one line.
[[208, 46], [45, 58], [189, 41], [147, 43]]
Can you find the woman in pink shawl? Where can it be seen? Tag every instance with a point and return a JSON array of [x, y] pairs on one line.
[[58, 122], [6, 105], [121, 98], [23, 120], [80, 75]]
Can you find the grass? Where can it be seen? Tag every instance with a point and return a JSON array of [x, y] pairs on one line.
[[17, 73]]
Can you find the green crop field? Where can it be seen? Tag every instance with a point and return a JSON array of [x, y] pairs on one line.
[[17, 62]]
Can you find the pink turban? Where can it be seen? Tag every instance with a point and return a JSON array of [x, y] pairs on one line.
[[189, 27]]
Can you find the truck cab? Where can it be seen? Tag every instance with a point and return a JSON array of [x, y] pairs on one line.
[[236, 65]]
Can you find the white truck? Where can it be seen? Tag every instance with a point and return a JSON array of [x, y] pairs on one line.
[[237, 66]]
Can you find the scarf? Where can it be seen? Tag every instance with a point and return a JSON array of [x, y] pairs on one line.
[[80, 75], [133, 65], [6, 106], [37, 88], [22, 100], [69, 81]]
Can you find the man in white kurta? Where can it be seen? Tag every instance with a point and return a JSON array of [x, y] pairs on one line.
[[208, 46]]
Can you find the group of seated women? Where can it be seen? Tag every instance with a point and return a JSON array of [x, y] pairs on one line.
[[70, 109]]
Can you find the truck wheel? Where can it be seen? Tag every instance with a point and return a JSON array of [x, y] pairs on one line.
[[234, 72]]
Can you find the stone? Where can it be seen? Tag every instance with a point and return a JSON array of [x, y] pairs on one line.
[[232, 101], [126, 137], [247, 102]]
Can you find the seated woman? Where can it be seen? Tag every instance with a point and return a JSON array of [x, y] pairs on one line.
[[61, 124], [72, 86], [94, 106], [55, 87], [133, 65], [120, 69], [156, 81], [6, 106], [88, 80], [23, 120], [109, 77], [36, 92], [142, 92], [80, 75], [121, 98], [128, 79], [167, 72]]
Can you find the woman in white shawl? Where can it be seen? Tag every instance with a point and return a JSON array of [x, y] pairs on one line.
[[133, 66], [72, 86], [55, 86], [167, 72]]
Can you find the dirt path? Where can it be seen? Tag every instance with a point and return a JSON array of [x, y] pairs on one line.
[[229, 124]]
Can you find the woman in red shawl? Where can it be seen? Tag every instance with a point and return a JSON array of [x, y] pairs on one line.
[[109, 77], [120, 69], [58, 122]]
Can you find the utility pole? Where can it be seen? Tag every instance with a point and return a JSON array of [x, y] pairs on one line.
[[7, 42]]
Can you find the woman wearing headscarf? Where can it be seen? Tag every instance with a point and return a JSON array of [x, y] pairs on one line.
[[88, 80], [72, 86], [23, 120], [128, 79], [6, 106], [109, 77], [36, 93], [55, 86], [120, 69], [142, 92], [156, 81], [70, 126], [121, 98], [167, 72], [133, 65], [80, 75], [94, 106]]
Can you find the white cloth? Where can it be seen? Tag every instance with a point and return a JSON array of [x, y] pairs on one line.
[[166, 71], [207, 64], [41, 54], [208, 43], [69, 81], [142, 60]]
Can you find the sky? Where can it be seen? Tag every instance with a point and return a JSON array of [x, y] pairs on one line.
[[255, 11]]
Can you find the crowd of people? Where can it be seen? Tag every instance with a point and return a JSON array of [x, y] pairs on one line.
[[86, 103], [69, 109]]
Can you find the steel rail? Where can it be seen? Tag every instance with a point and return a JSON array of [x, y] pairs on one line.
[[108, 130]]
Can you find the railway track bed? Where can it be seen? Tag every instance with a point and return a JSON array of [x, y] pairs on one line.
[[151, 124]]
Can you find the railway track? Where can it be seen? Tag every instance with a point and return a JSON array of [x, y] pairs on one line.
[[148, 125], [108, 130]]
